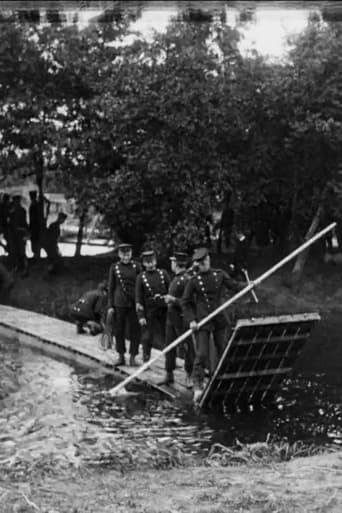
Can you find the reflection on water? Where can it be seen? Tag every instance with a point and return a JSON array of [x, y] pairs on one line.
[[48, 407]]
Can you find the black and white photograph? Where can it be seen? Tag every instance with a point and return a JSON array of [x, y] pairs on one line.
[[170, 256]]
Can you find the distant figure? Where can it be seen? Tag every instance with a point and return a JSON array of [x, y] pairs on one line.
[[36, 223], [6, 282], [89, 310], [18, 235], [52, 236], [5, 206]]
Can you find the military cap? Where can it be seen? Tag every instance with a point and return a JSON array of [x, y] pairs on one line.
[[148, 255], [124, 247], [200, 254], [179, 257]]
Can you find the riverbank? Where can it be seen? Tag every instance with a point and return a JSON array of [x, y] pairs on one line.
[[311, 484], [320, 291], [302, 485]]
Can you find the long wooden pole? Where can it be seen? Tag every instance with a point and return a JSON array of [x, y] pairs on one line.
[[113, 391]]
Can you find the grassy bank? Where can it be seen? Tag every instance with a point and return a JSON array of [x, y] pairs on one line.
[[301, 485], [239, 482]]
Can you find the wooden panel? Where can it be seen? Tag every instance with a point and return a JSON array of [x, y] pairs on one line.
[[259, 353]]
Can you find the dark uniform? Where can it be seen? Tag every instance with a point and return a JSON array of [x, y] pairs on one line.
[[36, 219], [90, 307], [175, 324], [6, 283], [5, 207], [151, 286], [50, 245], [18, 231], [121, 297], [202, 295]]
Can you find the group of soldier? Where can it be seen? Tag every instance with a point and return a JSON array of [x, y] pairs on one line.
[[144, 303], [16, 230]]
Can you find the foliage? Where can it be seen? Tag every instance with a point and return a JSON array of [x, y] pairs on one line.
[[154, 133]]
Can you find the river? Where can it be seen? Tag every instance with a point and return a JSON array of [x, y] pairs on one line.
[[53, 410]]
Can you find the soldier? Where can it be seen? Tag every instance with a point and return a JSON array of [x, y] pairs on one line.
[[6, 283], [36, 217], [202, 295], [19, 233], [121, 303], [52, 236], [5, 207], [175, 325], [88, 310], [151, 287]]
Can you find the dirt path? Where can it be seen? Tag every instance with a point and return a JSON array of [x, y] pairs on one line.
[[312, 485]]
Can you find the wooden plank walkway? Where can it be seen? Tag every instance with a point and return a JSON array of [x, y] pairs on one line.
[[59, 338]]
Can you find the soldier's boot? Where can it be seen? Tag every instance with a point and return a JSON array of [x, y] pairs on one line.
[[168, 379], [188, 381], [132, 362], [146, 355], [121, 360]]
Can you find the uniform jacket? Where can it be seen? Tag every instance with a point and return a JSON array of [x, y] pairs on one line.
[[90, 306], [203, 294], [121, 284], [174, 309], [150, 287], [17, 221]]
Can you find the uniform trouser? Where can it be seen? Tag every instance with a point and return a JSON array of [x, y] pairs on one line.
[[35, 247], [156, 323], [202, 354], [189, 351], [19, 252], [127, 317]]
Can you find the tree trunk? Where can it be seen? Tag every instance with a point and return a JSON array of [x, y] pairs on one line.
[[298, 267], [80, 234]]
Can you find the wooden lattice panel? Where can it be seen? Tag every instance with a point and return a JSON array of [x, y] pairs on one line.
[[259, 354]]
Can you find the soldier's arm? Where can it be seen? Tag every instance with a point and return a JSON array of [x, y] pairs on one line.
[[231, 284], [179, 293], [167, 279], [139, 298], [111, 287], [187, 302], [98, 302]]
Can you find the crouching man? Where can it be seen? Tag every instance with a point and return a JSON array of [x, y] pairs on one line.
[[202, 295], [89, 309]]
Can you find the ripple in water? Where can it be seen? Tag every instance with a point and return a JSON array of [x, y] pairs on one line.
[[50, 408]]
